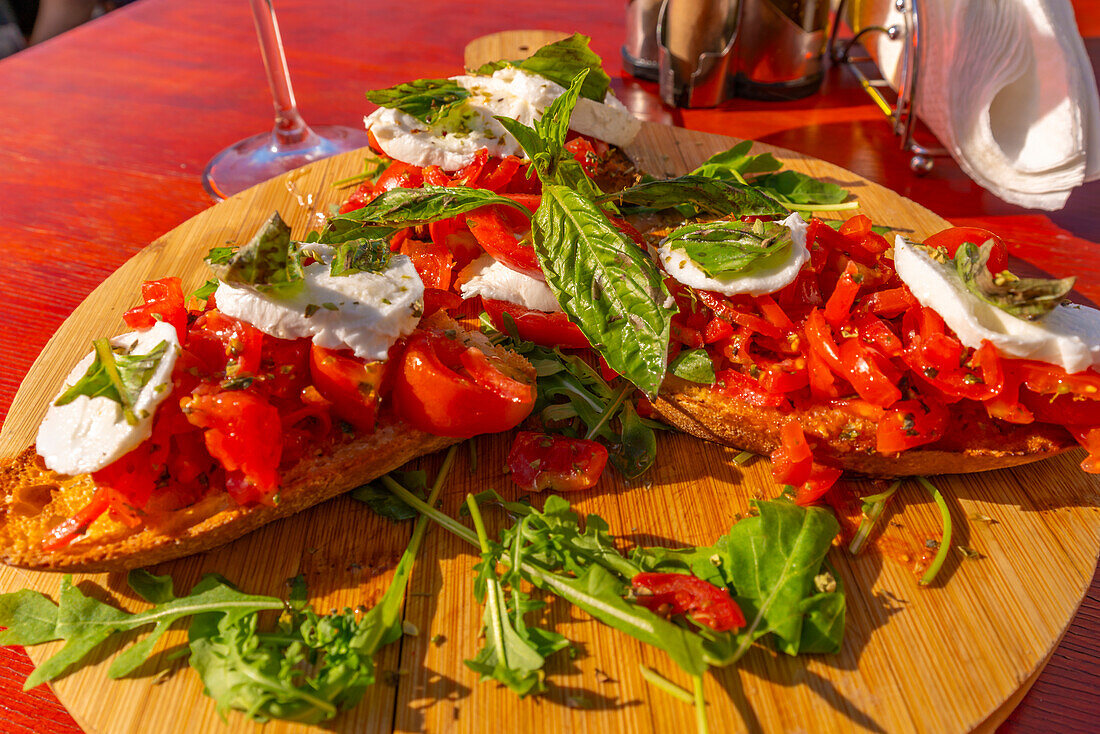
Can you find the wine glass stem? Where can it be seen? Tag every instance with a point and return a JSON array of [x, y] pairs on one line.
[[290, 128]]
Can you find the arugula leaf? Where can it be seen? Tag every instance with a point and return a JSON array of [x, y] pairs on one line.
[[607, 285], [694, 365], [560, 62], [513, 652], [360, 256], [411, 207], [373, 166], [269, 263], [1026, 298], [730, 248], [118, 377], [715, 196], [635, 452], [435, 102]]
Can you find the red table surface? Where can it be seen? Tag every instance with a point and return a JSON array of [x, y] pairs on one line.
[[106, 129]]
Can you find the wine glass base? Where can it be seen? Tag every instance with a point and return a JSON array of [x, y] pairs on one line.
[[260, 157]]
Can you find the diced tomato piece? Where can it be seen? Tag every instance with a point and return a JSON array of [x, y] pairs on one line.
[[443, 387], [705, 603], [503, 238], [548, 329], [908, 424], [540, 461], [65, 533], [436, 299], [821, 480], [839, 306], [875, 331], [717, 329], [951, 238], [162, 301], [470, 174], [435, 176], [1089, 438], [433, 262], [867, 374], [499, 173], [784, 377], [244, 434], [741, 387], [354, 387], [792, 461], [359, 198], [890, 303], [225, 345], [773, 313], [399, 175]]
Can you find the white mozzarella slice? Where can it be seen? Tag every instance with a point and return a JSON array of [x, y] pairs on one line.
[[756, 283], [1069, 336], [509, 92], [490, 279], [364, 312], [88, 434]]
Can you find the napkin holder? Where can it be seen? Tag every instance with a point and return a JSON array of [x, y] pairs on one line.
[[902, 111]]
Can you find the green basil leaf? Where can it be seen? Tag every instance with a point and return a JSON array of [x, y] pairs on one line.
[[219, 255], [560, 62], [269, 263], [360, 256], [383, 502], [730, 248], [118, 377], [693, 365], [432, 101], [636, 450], [1026, 298], [205, 290], [412, 207], [838, 223], [736, 163], [800, 190], [718, 197], [607, 285]]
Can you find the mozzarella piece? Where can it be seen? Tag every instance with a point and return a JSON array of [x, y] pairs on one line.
[[757, 283], [90, 433], [1069, 336], [364, 312], [509, 92], [493, 280]]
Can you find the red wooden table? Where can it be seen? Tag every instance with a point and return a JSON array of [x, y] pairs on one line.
[[106, 129]]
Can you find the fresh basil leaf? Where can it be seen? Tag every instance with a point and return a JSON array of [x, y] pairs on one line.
[[636, 450], [118, 377], [694, 365], [561, 62], [732, 248], [799, 190], [413, 207], [269, 263], [1026, 298], [607, 285], [360, 256], [714, 196], [736, 163], [219, 255], [204, 291], [339, 230], [436, 102]]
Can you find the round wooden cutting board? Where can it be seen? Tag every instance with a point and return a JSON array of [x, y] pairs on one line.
[[949, 658]]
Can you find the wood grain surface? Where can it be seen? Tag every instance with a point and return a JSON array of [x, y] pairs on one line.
[[941, 659]]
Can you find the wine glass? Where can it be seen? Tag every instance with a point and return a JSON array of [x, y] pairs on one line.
[[291, 143]]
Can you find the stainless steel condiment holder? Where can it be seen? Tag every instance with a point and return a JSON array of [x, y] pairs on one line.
[[710, 80], [902, 111]]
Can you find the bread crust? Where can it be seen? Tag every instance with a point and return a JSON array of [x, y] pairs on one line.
[[973, 442], [34, 499]]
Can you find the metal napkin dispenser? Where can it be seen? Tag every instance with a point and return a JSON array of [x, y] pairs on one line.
[[711, 50]]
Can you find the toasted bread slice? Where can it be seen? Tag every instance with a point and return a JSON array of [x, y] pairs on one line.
[[34, 499], [974, 442]]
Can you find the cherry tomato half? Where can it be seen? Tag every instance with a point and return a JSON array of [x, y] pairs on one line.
[[350, 384], [540, 327], [951, 238], [443, 387], [541, 461], [500, 232]]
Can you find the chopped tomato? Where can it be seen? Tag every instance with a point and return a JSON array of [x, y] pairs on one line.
[[499, 173], [399, 175], [679, 593], [360, 197], [839, 306], [432, 260], [350, 384], [225, 345], [443, 387], [162, 301], [890, 302], [868, 373], [65, 533], [908, 424], [243, 432], [792, 461], [436, 299], [471, 173], [541, 461], [742, 387], [1089, 438], [821, 480], [950, 239], [548, 329]]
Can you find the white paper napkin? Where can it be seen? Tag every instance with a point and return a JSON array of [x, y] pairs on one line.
[[1008, 89]]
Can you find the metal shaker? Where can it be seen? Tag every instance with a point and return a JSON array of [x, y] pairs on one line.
[[780, 48]]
